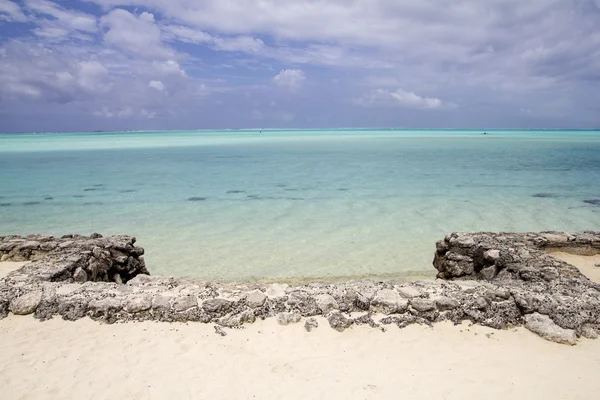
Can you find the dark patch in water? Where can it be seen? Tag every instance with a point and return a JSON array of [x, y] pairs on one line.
[[100, 185], [544, 195], [78, 196], [291, 190], [281, 185], [128, 191], [235, 191], [274, 198], [595, 202], [4, 204], [89, 189], [197, 199], [93, 203], [31, 203], [252, 196], [342, 190], [49, 198]]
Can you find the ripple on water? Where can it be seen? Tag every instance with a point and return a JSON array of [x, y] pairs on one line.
[[595, 202], [235, 191], [544, 195], [31, 203], [196, 198]]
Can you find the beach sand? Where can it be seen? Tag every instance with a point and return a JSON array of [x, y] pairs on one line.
[[585, 263], [84, 359], [58, 359], [9, 266]]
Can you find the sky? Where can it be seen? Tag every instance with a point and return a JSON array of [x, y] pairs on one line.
[[230, 64]]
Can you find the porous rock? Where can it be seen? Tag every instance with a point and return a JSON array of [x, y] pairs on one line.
[[543, 326], [338, 321], [311, 324], [26, 304], [287, 318], [388, 301]]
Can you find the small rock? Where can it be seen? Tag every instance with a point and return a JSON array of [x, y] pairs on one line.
[[220, 331], [26, 304], [546, 328], [481, 303], [311, 324], [422, 305], [408, 292], [80, 276], [286, 318], [338, 321], [255, 299]]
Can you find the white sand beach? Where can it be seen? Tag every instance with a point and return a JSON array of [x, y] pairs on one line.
[[84, 359], [8, 266], [58, 359], [589, 265]]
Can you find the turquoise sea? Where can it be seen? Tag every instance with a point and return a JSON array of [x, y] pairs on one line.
[[286, 205]]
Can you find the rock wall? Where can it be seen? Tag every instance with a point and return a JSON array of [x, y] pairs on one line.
[[527, 287]]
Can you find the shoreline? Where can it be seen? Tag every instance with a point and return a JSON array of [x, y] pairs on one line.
[[499, 280]]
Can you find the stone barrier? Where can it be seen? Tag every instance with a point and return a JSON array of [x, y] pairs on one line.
[[499, 280]]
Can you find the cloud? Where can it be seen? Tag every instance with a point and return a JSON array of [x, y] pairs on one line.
[[402, 98], [158, 85], [135, 34], [9, 11], [290, 79], [496, 57], [63, 22]]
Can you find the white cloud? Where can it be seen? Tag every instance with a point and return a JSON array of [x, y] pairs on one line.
[[135, 34], [10, 11], [290, 78], [158, 85], [169, 67], [68, 19], [402, 98]]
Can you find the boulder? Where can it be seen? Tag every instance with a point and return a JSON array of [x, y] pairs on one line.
[[422, 305], [543, 326], [444, 303], [408, 292], [326, 303], [388, 301], [218, 307], [26, 304], [255, 299]]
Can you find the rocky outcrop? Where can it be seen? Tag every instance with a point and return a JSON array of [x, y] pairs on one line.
[[75, 258], [526, 287]]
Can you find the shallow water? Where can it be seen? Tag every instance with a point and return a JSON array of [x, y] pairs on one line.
[[274, 205]]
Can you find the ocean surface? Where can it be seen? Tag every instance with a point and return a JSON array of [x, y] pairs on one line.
[[297, 205]]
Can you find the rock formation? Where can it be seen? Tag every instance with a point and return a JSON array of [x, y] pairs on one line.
[[498, 280]]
